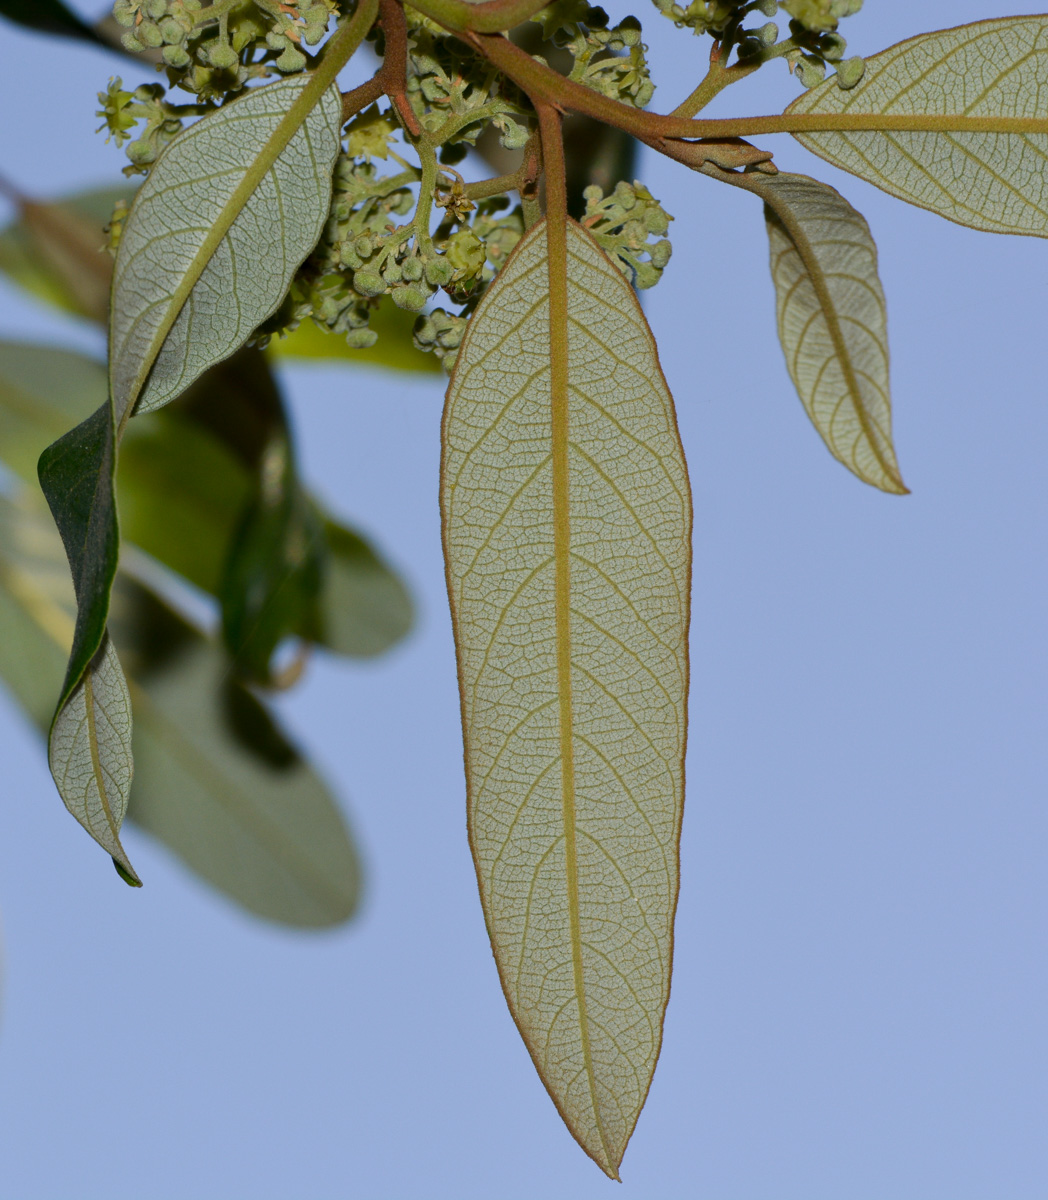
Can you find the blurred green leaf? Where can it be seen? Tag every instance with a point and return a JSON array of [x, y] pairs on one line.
[[394, 348], [188, 518], [48, 16], [216, 780], [56, 250], [273, 570], [44, 391], [220, 784], [364, 606]]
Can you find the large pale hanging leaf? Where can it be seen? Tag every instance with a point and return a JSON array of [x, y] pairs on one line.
[[215, 778], [832, 321], [215, 234], [976, 95], [567, 522]]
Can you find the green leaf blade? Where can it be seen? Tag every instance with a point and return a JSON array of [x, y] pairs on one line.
[[993, 181], [832, 322], [215, 235], [574, 826]]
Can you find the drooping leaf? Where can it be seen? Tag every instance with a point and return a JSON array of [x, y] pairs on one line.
[[48, 16], [567, 522], [215, 778], [54, 250], [394, 348], [215, 234], [978, 98], [832, 321], [89, 750]]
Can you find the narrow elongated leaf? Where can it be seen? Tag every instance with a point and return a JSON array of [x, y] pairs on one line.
[[216, 780], [216, 232], [567, 520], [988, 76], [833, 321]]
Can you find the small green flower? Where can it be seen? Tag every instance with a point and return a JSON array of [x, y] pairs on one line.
[[116, 112]]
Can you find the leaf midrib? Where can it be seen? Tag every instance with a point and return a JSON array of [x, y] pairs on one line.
[[557, 256]]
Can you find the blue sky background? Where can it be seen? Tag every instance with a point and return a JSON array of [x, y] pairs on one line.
[[858, 1008]]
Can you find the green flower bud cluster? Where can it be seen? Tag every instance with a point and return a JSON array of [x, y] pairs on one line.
[[440, 333], [622, 224], [216, 57], [815, 42], [121, 111], [712, 16], [611, 60]]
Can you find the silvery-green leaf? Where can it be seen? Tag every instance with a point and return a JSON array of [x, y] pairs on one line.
[[215, 234], [90, 754], [976, 101], [832, 321]]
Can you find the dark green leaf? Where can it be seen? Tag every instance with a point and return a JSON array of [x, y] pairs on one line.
[[76, 474]]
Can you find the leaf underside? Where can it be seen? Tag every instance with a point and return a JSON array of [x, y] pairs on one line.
[[90, 753], [832, 322], [991, 181], [205, 257], [574, 760]]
